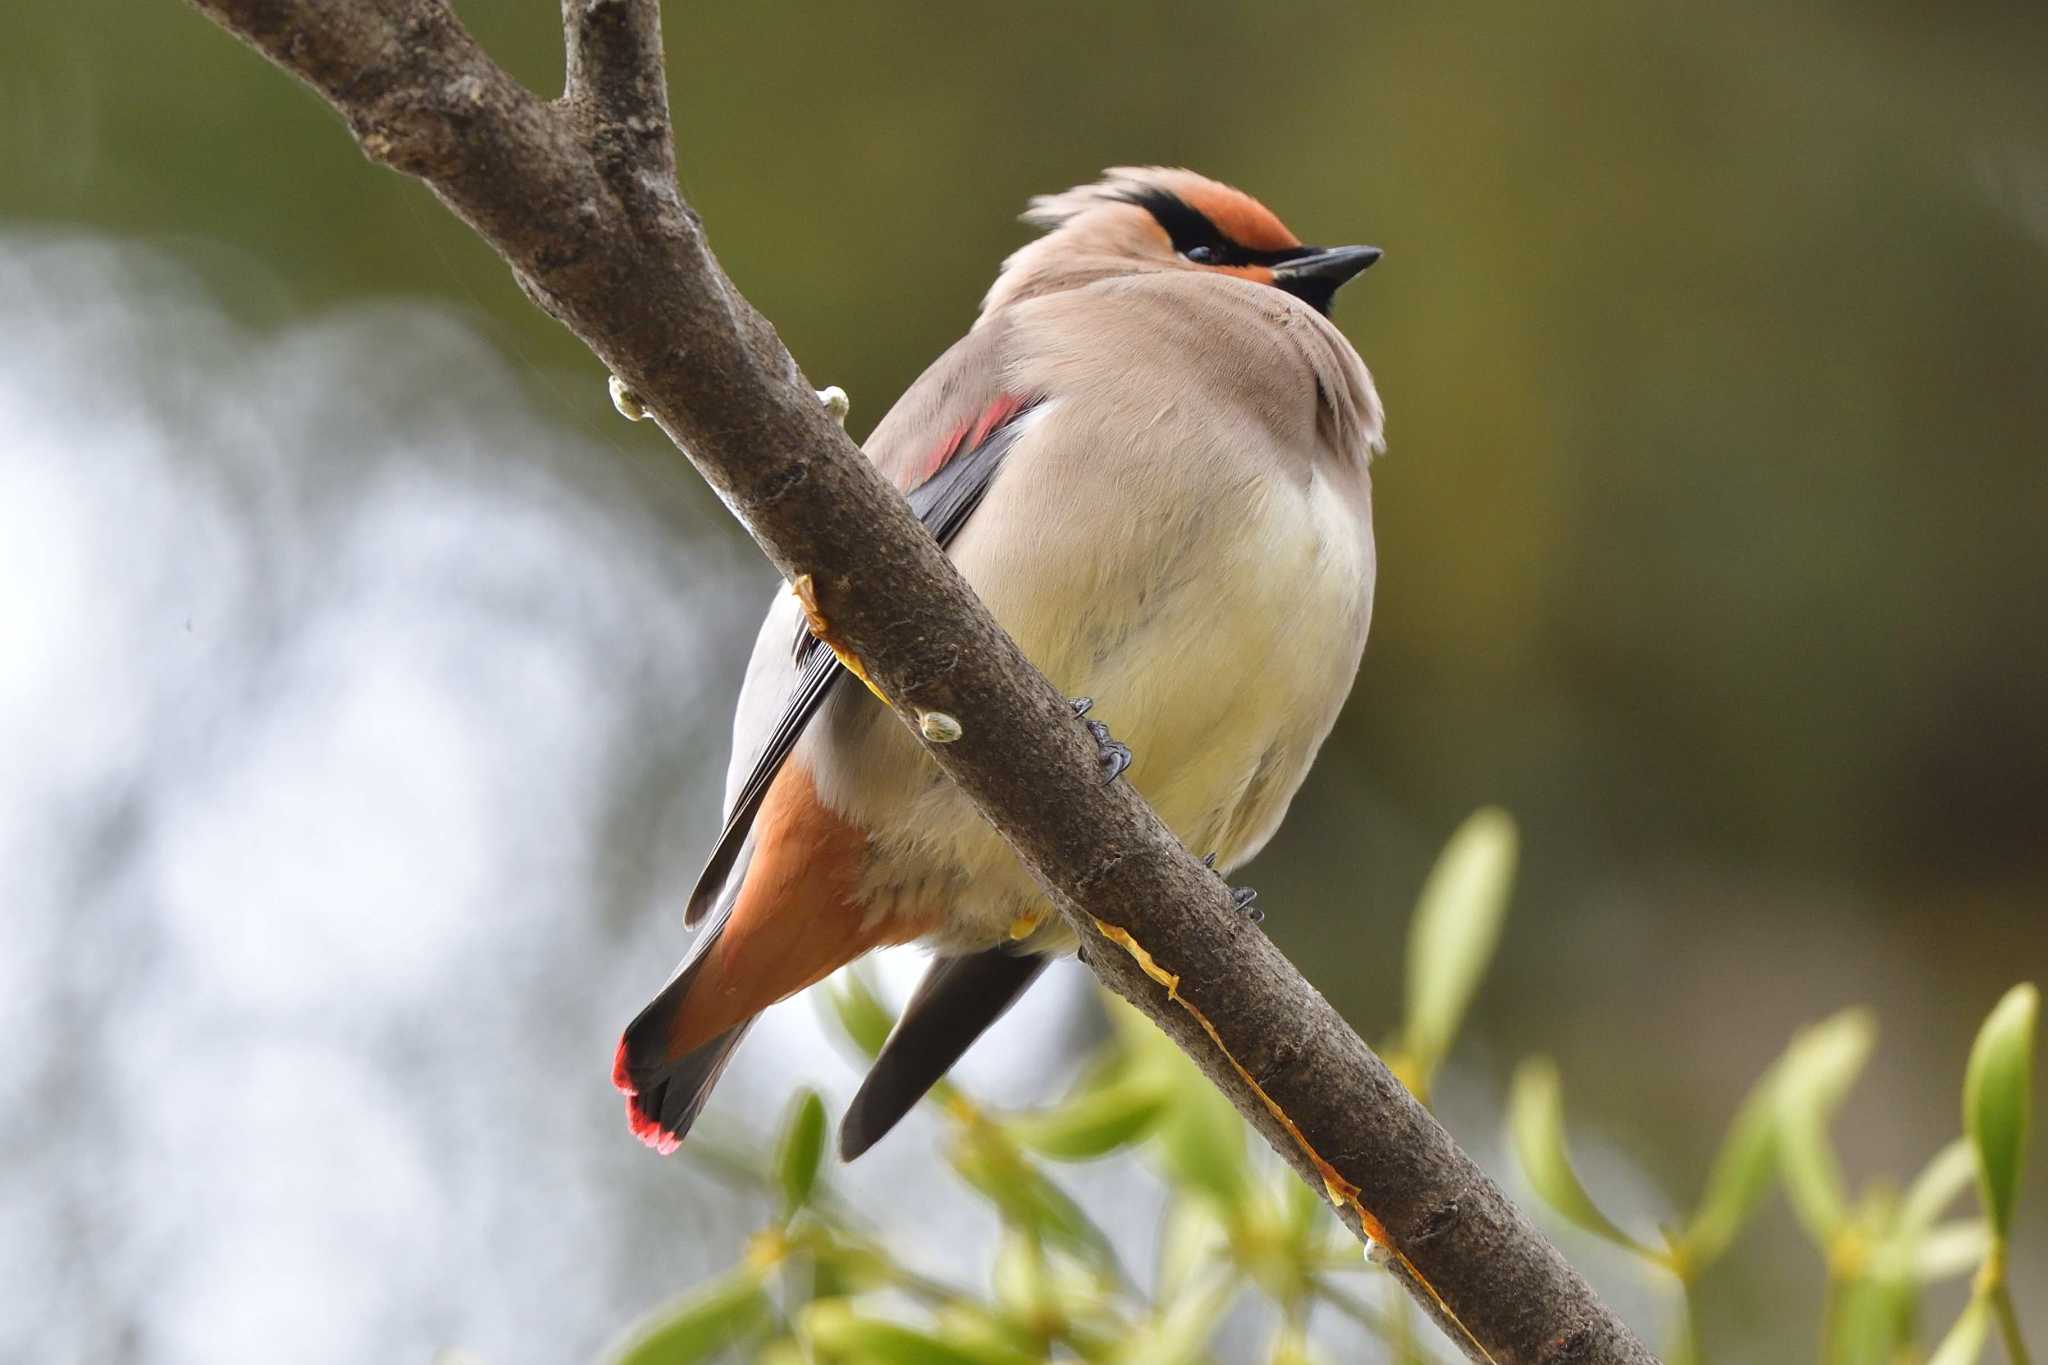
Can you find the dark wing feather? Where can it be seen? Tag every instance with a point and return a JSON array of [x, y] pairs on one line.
[[821, 670], [945, 500], [943, 503], [954, 1004]]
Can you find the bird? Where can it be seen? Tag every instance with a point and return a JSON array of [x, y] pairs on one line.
[[1149, 456]]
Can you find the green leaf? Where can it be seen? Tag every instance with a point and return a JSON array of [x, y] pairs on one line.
[[841, 1267], [1038, 1296], [1109, 1064], [802, 1146], [1290, 1346], [1281, 1261], [1179, 1331], [1305, 1212], [1096, 1122], [862, 1018], [1200, 1138], [1996, 1097], [1950, 1250], [1813, 1079], [1456, 928], [1201, 1143], [1025, 1197], [1945, 1176], [1536, 1127], [1869, 1322], [700, 1325], [974, 1328], [1965, 1341], [1018, 1276], [1193, 1238], [834, 1327], [1738, 1180]]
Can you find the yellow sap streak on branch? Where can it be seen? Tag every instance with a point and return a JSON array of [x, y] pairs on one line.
[[1342, 1192], [806, 590]]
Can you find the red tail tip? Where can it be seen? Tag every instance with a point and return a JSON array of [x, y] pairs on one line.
[[648, 1129], [644, 1125], [622, 1079]]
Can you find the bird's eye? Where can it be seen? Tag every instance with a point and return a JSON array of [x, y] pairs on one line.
[[1201, 255]]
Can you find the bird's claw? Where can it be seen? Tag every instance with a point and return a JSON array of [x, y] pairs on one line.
[[1112, 756], [1242, 898]]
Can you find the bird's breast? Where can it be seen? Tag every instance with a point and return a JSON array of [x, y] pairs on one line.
[[1209, 591]]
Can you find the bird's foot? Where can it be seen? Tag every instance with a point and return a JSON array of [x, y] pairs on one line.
[[1110, 755], [1113, 757], [1242, 898]]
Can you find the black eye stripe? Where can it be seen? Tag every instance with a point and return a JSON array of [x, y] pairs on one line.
[[1189, 228]]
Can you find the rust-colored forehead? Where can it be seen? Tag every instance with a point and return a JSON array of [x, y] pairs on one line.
[[1240, 217]]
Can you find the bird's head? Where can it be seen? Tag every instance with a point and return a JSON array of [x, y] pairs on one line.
[[1158, 217]]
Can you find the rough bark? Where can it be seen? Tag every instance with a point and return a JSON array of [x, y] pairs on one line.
[[579, 196]]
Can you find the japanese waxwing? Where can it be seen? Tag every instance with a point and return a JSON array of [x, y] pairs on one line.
[[1149, 458]]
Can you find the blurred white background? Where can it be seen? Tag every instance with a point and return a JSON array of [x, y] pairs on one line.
[[356, 760]]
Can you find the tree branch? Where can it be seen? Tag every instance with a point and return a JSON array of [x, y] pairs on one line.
[[617, 77], [579, 196]]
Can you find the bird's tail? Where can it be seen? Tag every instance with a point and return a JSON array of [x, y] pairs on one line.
[[661, 1107], [665, 1075], [666, 1093], [793, 920]]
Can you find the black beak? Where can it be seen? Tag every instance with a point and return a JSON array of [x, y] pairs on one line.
[[1316, 276]]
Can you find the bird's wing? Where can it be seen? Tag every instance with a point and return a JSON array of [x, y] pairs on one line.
[[941, 444]]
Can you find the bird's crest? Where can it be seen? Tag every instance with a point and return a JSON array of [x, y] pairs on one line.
[[1165, 191]]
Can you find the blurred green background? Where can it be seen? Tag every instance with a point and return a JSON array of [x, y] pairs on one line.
[[1714, 524]]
